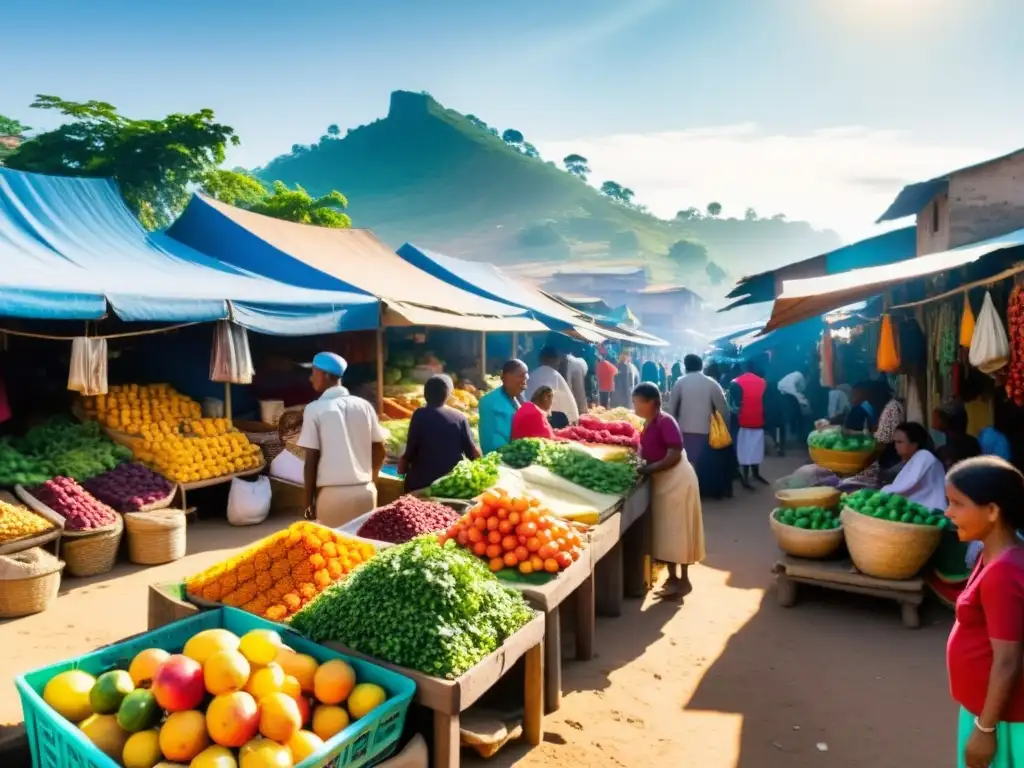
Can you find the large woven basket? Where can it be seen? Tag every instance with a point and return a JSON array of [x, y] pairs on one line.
[[91, 553], [32, 594], [826, 498], [886, 549], [802, 542], [155, 538], [843, 463]]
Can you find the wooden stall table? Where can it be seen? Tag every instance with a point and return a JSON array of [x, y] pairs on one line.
[[577, 580], [447, 699], [619, 546], [841, 575]]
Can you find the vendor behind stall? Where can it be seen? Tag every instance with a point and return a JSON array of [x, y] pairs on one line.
[[499, 405], [531, 420], [439, 437], [921, 477], [344, 446]]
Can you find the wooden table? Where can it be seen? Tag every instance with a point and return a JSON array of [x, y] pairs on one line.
[[619, 546], [577, 580], [841, 575]]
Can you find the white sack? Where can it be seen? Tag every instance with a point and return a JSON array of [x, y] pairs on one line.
[[248, 501], [990, 347], [87, 373], [230, 360]]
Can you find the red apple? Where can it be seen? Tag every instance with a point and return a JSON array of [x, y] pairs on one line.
[[178, 684]]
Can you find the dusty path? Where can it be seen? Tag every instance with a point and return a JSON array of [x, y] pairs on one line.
[[728, 680]]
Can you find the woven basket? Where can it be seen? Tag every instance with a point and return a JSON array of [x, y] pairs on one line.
[[155, 538], [826, 498], [886, 549], [163, 503], [90, 553], [801, 542], [35, 590], [289, 428], [843, 463]]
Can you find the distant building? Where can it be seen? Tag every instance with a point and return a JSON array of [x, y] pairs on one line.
[[964, 206], [596, 281]]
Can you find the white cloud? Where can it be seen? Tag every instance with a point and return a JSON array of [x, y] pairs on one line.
[[840, 177]]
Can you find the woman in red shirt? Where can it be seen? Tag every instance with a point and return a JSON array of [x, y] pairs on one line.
[[985, 648], [531, 420]]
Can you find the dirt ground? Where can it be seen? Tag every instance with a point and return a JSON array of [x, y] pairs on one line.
[[727, 680]]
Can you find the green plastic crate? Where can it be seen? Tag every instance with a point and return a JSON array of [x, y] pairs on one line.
[[57, 743]]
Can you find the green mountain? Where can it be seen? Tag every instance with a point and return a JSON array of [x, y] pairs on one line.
[[432, 176]]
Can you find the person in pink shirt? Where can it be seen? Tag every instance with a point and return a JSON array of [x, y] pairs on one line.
[[531, 420]]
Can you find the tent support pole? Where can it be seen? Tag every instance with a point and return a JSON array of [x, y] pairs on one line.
[[380, 369], [515, 344], [483, 357], [227, 402]]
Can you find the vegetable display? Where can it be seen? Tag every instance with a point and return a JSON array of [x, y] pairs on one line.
[[611, 477], [516, 533], [81, 512], [275, 577], [406, 518], [808, 518], [521, 453], [421, 605], [616, 414], [833, 439], [890, 506], [129, 487], [594, 430], [1015, 327], [398, 435], [17, 522], [469, 478], [60, 447]]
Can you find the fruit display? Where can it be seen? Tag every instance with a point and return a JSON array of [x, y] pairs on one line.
[[895, 508], [190, 459], [130, 407], [516, 533], [833, 439], [808, 518], [406, 518], [80, 510], [18, 522], [398, 434], [278, 575], [223, 700], [129, 487], [463, 400], [420, 605], [594, 430], [469, 478], [59, 447], [522, 453], [1015, 329], [610, 477], [616, 414]]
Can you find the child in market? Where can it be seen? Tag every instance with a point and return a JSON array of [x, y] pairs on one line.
[[531, 420]]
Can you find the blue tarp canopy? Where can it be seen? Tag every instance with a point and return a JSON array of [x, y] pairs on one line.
[[341, 259], [889, 248], [70, 247]]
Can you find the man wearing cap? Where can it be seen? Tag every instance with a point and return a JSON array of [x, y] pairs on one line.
[[344, 444]]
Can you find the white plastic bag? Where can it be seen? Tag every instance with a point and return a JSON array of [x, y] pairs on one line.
[[230, 360], [87, 373], [990, 347], [289, 467], [248, 501]]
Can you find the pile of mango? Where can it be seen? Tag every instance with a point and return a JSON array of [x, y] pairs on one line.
[[132, 408], [17, 522]]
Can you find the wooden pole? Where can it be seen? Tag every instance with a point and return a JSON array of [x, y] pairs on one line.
[[515, 344], [380, 369], [227, 402], [483, 357]]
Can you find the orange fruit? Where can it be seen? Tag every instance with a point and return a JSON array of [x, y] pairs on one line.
[[225, 671], [494, 537], [333, 682], [537, 562], [525, 567], [183, 736], [202, 645], [480, 548], [266, 680], [495, 564], [279, 717], [264, 753], [522, 554], [232, 719], [291, 687], [144, 665], [511, 560], [551, 565], [303, 744], [329, 720], [260, 646], [214, 757]]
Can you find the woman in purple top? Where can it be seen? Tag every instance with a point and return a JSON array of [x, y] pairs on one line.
[[675, 494]]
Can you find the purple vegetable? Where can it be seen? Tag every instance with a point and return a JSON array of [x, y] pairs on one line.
[[81, 512], [129, 487], [405, 519]]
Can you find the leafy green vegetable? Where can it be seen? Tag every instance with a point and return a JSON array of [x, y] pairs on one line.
[[59, 448], [468, 478], [521, 453], [616, 478], [419, 605]]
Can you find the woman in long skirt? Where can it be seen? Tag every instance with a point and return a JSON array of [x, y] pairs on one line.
[[675, 493]]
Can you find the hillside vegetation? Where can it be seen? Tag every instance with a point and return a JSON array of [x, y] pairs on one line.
[[431, 176]]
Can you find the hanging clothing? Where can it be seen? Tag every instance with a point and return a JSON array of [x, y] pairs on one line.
[[922, 480]]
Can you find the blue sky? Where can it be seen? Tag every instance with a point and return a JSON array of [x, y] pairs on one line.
[[819, 108]]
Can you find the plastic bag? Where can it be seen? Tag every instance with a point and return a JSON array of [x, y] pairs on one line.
[[289, 467], [230, 360], [990, 346], [87, 373], [718, 436], [888, 355], [967, 324], [248, 501]]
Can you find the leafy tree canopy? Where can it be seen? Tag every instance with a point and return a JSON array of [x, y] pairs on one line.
[[714, 209], [715, 273], [237, 187], [512, 136], [153, 161], [750, 215], [577, 165], [688, 214], [299, 206], [11, 127], [688, 254]]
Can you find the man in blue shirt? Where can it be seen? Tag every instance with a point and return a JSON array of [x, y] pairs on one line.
[[499, 405]]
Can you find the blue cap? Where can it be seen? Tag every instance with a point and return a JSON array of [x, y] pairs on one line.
[[328, 362]]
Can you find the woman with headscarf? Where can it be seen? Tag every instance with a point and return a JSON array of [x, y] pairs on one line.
[[439, 437]]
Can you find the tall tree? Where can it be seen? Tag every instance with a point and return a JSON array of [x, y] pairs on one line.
[[12, 134], [299, 206], [530, 151], [689, 255], [715, 273], [153, 161], [750, 215], [333, 130], [714, 210], [688, 214], [577, 165], [236, 187], [513, 137], [612, 189]]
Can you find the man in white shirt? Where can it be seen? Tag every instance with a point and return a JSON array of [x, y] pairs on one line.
[[796, 405], [344, 444], [547, 375], [574, 371]]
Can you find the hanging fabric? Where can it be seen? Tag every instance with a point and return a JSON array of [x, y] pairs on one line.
[[230, 360], [888, 355], [87, 373], [828, 377], [990, 346], [967, 323]]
